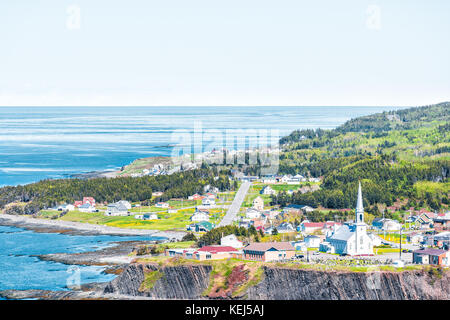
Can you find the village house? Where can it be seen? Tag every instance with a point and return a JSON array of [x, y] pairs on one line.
[[310, 227], [386, 224], [285, 227], [202, 226], [77, 204], [125, 203], [267, 190], [299, 245], [89, 200], [293, 180], [257, 223], [195, 197], [65, 207], [269, 251], [442, 221], [162, 205], [214, 253], [200, 215], [87, 207], [352, 238], [208, 202], [231, 241], [432, 256], [172, 210], [147, 216], [270, 214], [116, 209], [297, 209], [268, 180], [204, 253], [424, 220], [312, 241], [258, 204], [252, 213], [415, 238]]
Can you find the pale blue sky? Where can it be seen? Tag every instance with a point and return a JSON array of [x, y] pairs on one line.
[[227, 52]]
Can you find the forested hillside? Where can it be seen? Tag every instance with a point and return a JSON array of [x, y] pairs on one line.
[[48, 193], [393, 154]]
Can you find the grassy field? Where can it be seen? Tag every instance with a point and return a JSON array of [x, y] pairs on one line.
[[166, 221]]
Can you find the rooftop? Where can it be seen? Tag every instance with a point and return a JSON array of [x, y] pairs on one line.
[[264, 246]]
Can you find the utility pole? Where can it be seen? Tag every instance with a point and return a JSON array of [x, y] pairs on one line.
[[401, 243]]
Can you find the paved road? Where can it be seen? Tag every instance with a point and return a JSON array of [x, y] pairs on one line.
[[233, 210]]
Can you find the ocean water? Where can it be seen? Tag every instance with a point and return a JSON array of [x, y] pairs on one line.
[[38, 143], [21, 270]]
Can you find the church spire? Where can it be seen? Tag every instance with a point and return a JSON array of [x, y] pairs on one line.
[[359, 212]]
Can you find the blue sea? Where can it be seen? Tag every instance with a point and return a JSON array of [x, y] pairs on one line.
[[38, 143], [20, 269]]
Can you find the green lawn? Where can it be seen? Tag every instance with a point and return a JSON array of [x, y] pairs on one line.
[[166, 221]]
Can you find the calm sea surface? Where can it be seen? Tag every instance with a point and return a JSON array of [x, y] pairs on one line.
[[39, 143]]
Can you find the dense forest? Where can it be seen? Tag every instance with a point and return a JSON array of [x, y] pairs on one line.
[[48, 193]]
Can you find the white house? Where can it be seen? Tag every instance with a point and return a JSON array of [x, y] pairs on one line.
[[252, 213], [200, 216], [352, 238], [299, 245], [147, 216], [312, 241], [208, 202], [267, 190], [285, 227], [162, 205], [231, 241], [66, 207], [125, 203], [87, 207], [386, 224], [116, 209], [268, 180]]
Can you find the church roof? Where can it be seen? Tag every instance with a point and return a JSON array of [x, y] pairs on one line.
[[343, 233]]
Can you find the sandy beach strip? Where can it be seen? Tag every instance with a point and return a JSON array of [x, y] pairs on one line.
[[28, 222]]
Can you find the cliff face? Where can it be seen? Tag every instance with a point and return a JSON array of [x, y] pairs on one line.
[[174, 282], [289, 284], [191, 281]]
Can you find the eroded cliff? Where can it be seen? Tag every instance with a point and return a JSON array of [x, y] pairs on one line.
[[198, 281]]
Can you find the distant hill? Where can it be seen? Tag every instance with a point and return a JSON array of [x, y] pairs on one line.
[[393, 153]]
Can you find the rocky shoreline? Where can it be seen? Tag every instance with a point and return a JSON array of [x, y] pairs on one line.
[[77, 228], [115, 259]]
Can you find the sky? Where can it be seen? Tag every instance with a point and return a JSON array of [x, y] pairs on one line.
[[224, 53]]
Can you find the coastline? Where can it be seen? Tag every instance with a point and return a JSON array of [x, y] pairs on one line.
[[78, 228]]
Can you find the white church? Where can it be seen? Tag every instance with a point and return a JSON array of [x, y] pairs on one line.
[[351, 238]]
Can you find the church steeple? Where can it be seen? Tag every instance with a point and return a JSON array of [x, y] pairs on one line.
[[359, 212]]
